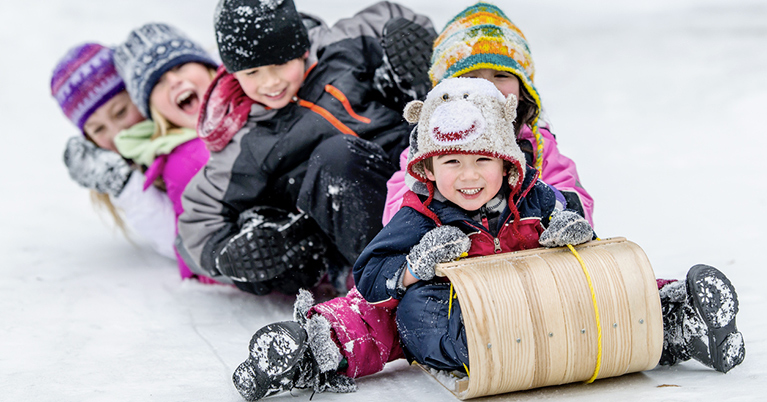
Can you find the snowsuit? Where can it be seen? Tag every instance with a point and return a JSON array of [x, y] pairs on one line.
[[148, 213], [328, 153], [558, 171], [427, 334], [175, 158]]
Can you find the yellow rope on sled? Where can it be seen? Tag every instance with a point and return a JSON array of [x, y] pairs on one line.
[[450, 301], [596, 313]]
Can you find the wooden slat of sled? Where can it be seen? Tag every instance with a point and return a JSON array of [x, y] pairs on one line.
[[530, 319]]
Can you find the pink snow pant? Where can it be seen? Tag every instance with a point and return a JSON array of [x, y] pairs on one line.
[[366, 334]]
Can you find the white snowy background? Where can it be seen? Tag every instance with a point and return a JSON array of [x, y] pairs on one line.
[[662, 104]]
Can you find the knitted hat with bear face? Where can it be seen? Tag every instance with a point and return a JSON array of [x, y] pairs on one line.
[[148, 53], [84, 80], [479, 37], [255, 33], [462, 116]]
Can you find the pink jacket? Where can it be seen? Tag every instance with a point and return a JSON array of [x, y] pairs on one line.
[[558, 170], [177, 169]]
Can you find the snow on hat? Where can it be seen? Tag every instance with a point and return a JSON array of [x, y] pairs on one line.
[[481, 36], [83, 80], [255, 33], [463, 116], [148, 53]]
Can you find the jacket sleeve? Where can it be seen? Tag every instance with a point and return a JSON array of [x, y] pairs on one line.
[[560, 172], [149, 214], [396, 189], [212, 202], [378, 269]]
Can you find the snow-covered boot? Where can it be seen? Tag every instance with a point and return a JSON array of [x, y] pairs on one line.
[[272, 242], [404, 74], [702, 326], [289, 355]]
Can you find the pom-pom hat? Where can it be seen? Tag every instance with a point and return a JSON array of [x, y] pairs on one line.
[[84, 80], [148, 53], [479, 37], [463, 116], [255, 33]]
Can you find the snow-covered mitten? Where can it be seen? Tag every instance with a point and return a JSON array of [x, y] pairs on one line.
[[702, 326], [566, 227], [441, 244], [272, 242], [95, 168], [404, 73]]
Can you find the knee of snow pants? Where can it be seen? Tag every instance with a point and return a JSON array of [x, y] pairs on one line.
[[344, 191]]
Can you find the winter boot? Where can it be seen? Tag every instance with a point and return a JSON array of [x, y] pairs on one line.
[[404, 74], [701, 324], [289, 355], [273, 242]]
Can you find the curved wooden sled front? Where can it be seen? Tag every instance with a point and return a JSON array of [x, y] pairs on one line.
[[530, 317]]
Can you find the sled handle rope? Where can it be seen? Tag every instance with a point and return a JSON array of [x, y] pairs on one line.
[[596, 314]]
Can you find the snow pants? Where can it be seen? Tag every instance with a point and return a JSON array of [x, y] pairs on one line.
[[366, 334], [344, 191]]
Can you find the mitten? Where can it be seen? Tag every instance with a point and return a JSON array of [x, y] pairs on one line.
[[566, 227], [95, 168], [441, 244]]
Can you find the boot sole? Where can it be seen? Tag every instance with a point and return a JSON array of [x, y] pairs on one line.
[[275, 352], [408, 47], [714, 298]]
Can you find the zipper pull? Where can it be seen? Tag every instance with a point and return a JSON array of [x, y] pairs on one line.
[[497, 243]]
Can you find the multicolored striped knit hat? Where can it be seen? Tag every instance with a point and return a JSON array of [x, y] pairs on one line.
[[83, 80], [481, 36]]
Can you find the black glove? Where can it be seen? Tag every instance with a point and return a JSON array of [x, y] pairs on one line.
[[404, 72], [441, 244], [96, 168], [285, 250], [566, 227]]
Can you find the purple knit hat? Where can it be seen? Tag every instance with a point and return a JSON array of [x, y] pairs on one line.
[[83, 80]]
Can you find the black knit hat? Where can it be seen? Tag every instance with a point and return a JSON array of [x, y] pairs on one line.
[[255, 33]]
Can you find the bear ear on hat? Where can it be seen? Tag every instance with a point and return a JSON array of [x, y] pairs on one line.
[[413, 111], [510, 108]]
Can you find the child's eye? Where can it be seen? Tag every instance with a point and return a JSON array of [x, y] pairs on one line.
[[121, 112], [98, 130]]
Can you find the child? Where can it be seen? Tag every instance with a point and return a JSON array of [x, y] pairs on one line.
[[482, 42], [457, 211], [166, 75], [92, 95], [302, 144]]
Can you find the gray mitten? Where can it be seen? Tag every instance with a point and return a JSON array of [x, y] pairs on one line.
[[566, 227], [441, 244], [95, 168]]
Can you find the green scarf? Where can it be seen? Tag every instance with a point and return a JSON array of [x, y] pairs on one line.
[[135, 143]]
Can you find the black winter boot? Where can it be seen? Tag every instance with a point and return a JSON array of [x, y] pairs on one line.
[[699, 320], [285, 249], [284, 356], [404, 74]]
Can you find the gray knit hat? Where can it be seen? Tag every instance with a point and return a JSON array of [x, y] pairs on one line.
[[148, 53], [463, 116], [255, 33]]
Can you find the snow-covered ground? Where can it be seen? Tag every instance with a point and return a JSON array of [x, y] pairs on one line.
[[663, 105]]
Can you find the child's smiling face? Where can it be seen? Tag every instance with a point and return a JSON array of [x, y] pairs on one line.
[[469, 181], [177, 95], [273, 85], [115, 115]]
